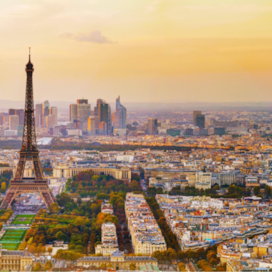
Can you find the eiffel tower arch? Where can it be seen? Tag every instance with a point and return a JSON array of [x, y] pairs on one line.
[[29, 152]]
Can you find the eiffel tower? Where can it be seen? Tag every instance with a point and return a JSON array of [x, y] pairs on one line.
[[28, 152]]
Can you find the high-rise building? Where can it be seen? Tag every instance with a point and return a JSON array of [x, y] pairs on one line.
[[50, 121], [93, 125], [38, 115], [119, 117], [103, 111], [54, 112], [195, 113], [199, 119], [11, 112], [73, 113], [2, 118], [80, 112], [83, 110], [103, 128], [152, 126], [21, 114], [45, 111], [13, 122]]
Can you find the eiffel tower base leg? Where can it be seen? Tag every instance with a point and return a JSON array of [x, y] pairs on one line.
[[23, 188]]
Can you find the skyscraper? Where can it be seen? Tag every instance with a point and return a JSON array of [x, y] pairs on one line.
[[50, 121], [21, 114], [45, 111], [38, 115], [2, 118], [13, 122], [11, 112], [93, 125], [54, 112], [199, 119], [83, 110], [80, 112], [103, 111], [195, 113], [73, 113], [119, 117], [152, 126]]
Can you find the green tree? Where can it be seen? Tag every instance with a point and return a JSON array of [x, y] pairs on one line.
[[3, 187], [54, 208], [256, 190]]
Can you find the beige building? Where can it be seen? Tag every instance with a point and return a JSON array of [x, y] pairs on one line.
[[68, 171], [93, 125], [13, 122], [109, 240], [171, 174], [145, 232], [15, 260], [117, 261], [203, 180]]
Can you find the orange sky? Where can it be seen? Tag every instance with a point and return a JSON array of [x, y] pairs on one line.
[[144, 50]]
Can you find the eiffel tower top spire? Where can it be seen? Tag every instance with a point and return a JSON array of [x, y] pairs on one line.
[[29, 66]]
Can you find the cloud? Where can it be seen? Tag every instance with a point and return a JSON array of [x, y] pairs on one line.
[[93, 37]]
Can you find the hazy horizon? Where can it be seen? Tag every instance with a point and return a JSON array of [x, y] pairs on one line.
[[132, 106]]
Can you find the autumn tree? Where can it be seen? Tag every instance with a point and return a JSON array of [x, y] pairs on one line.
[[3, 187], [49, 250], [181, 266], [37, 267]]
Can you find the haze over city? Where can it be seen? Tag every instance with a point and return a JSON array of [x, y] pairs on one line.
[[145, 50]]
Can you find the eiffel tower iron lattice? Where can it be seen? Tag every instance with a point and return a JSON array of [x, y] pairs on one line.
[[28, 152]]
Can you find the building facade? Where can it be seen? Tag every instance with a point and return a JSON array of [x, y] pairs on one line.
[[13, 122], [203, 180], [152, 126], [68, 171], [117, 261], [109, 240], [38, 115], [15, 260]]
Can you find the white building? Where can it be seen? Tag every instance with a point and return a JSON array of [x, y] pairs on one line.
[[74, 132], [8, 133]]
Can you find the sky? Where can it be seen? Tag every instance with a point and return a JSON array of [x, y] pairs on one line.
[[143, 50]]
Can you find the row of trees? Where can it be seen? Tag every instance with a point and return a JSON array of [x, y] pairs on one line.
[[233, 191], [59, 145], [169, 236]]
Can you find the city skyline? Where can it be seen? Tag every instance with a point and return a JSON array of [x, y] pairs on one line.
[[180, 51]]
